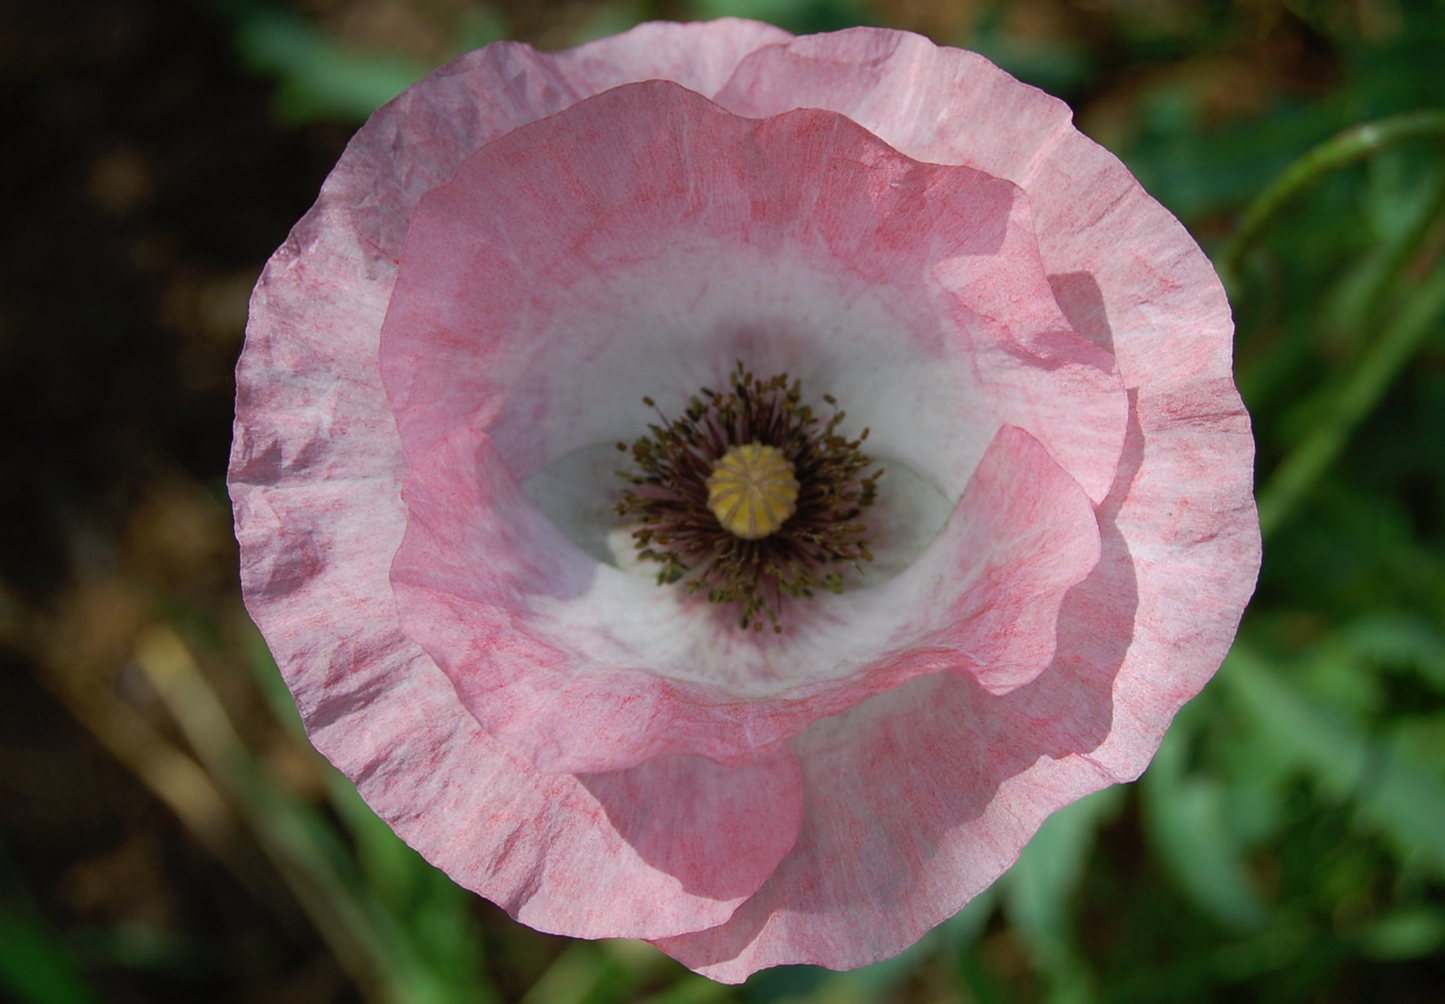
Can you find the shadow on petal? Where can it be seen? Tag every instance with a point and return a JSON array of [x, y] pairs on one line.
[[720, 830], [919, 799], [1079, 297]]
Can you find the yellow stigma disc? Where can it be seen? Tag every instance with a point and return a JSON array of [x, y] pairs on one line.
[[752, 490]]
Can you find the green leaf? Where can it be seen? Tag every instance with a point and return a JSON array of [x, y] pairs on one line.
[[1407, 933], [799, 16], [36, 967], [1401, 799], [1040, 889], [1185, 820], [1387, 638], [320, 78]]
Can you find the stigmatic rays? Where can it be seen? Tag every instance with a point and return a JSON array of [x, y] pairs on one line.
[[749, 497]]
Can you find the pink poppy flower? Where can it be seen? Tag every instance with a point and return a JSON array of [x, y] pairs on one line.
[[444, 354]]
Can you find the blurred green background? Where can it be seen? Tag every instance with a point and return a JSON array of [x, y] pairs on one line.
[[165, 833]]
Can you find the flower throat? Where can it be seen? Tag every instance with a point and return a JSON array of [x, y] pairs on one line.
[[749, 497]]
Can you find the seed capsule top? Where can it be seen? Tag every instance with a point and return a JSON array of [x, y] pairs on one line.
[[752, 490]]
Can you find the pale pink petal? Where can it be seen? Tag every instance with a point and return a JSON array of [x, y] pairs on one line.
[[982, 772], [636, 245], [700, 57], [912, 801], [943, 106], [315, 476], [1180, 538], [532, 843], [718, 830], [532, 631], [517, 314], [1132, 279], [916, 802]]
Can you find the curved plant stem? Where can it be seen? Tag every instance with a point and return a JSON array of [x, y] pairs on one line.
[[1302, 467], [1354, 144], [1404, 253]]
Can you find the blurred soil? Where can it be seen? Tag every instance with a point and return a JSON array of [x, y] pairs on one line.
[[144, 183]]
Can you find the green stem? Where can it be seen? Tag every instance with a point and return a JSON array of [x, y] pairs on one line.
[[1352, 145], [1402, 254], [1303, 466]]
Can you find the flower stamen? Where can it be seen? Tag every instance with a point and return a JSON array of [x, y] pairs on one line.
[[750, 497]]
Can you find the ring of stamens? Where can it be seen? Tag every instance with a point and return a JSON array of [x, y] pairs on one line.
[[750, 497]]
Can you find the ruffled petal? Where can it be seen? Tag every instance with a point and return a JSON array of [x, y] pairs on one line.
[[719, 830], [1130, 277], [942, 106], [639, 242], [930, 792], [560, 853], [916, 798], [1179, 531], [532, 296], [315, 476], [567, 660], [915, 803]]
